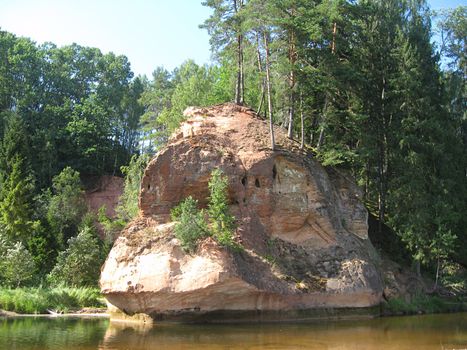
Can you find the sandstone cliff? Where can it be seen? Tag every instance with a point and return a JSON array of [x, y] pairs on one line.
[[103, 191], [303, 228]]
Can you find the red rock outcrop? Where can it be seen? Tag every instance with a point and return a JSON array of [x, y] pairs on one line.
[[302, 226], [105, 191]]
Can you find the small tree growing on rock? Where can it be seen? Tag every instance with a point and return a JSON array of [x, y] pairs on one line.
[[191, 224], [222, 222], [194, 224]]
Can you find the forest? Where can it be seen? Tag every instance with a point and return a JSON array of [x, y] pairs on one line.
[[363, 85]]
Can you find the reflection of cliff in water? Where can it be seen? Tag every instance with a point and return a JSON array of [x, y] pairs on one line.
[[415, 332]]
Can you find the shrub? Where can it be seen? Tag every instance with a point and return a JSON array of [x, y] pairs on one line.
[[111, 226], [127, 208], [418, 303], [194, 224], [17, 265], [79, 264], [222, 222], [191, 225]]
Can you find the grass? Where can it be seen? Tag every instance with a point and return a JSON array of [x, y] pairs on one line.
[[422, 304], [60, 299]]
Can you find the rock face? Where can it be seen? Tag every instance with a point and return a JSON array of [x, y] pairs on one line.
[[106, 190], [302, 226]]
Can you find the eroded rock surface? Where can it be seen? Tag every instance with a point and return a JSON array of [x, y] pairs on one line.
[[106, 191], [303, 228]]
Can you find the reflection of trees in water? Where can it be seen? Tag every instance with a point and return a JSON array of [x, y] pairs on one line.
[[51, 333], [414, 332]]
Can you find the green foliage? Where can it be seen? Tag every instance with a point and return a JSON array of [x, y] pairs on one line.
[[16, 266], [454, 278], [127, 208], [420, 303], [15, 203], [110, 226], [80, 263], [79, 106], [190, 225], [66, 205], [169, 94], [14, 143], [222, 222], [40, 300], [374, 97], [453, 27]]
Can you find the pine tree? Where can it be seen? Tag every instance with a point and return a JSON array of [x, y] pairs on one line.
[[16, 197], [227, 36]]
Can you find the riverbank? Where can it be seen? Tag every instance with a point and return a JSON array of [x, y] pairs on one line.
[[51, 301], [423, 304], [88, 302]]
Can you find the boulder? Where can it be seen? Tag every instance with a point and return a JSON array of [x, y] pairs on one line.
[[302, 228]]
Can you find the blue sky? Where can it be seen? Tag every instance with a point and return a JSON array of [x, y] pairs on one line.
[[150, 33]]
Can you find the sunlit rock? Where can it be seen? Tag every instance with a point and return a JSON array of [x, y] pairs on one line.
[[302, 226]]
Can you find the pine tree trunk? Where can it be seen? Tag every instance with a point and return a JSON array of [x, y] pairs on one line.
[[268, 86], [292, 59], [382, 166], [261, 101], [291, 115], [260, 70], [242, 76], [302, 123], [239, 86], [334, 32], [435, 287], [323, 123], [367, 180], [326, 101]]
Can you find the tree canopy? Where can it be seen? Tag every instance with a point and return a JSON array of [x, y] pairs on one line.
[[360, 84]]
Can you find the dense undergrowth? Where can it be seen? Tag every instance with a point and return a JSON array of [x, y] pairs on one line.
[[40, 300], [423, 303]]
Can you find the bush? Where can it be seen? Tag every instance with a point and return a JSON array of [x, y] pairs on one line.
[[127, 207], [194, 224], [222, 222], [16, 265], [191, 225], [79, 264], [111, 226], [420, 303]]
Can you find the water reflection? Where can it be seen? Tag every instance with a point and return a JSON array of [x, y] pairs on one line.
[[51, 333], [420, 332]]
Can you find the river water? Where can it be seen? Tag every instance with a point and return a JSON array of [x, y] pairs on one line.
[[448, 331]]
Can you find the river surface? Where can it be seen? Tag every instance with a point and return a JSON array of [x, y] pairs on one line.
[[448, 331]]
